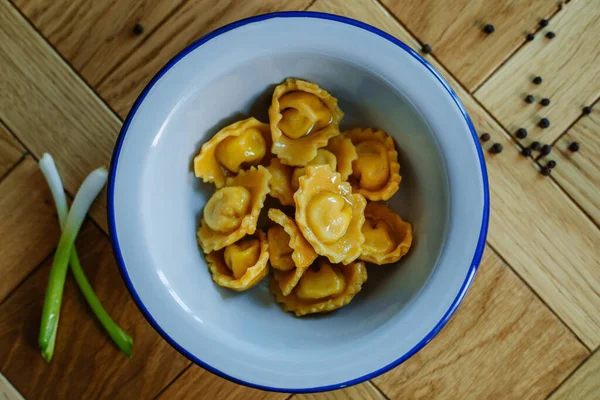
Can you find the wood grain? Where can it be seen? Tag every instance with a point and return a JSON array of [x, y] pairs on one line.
[[95, 36], [190, 22], [28, 224], [198, 383], [568, 65], [503, 343], [584, 384], [364, 391], [10, 151], [49, 108], [579, 173], [454, 29], [86, 364], [537, 229]]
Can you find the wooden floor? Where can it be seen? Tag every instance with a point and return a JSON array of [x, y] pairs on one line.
[[529, 327]]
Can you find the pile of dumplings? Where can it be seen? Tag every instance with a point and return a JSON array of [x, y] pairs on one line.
[[329, 184]]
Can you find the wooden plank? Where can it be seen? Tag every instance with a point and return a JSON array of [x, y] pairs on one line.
[[454, 29], [10, 151], [579, 173], [86, 364], [28, 224], [49, 108], [198, 383], [568, 65], [503, 343], [558, 252], [95, 36], [194, 19], [584, 384], [364, 391]]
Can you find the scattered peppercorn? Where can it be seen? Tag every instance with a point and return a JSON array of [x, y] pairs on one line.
[[545, 102], [574, 147], [587, 110], [546, 171], [526, 151], [529, 98], [521, 133], [537, 80], [530, 36], [138, 29], [550, 35], [546, 149], [535, 146], [551, 164], [489, 28], [485, 137], [544, 123], [496, 148], [426, 49], [544, 23]]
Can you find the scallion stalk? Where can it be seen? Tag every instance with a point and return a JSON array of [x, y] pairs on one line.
[[71, 225]]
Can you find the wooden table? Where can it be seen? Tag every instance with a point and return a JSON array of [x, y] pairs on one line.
[[530, 325]]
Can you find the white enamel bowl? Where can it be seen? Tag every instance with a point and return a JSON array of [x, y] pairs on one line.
[[155, 202]]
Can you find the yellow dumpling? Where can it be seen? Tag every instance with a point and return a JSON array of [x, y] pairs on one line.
[[376, 171], [237, 146], [323, 157], [329, 215], [303, 117], [290, 253], [323, 288], [281, 182], [240, 265], [232, 211], [387, 237]]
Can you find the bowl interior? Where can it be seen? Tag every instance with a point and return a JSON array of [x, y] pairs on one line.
[[158, 204]]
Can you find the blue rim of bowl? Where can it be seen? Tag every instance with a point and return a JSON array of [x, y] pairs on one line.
[[296, 14]]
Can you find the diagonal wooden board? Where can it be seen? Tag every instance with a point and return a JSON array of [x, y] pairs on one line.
[[95, 36], [584, 384], [579, 172], [29, 225], [11, 151], [568, 65], [56, 66], [454, 29]]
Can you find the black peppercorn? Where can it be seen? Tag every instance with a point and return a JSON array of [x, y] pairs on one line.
[[521, 133], [544, 23], [544, 123], [530, 36], [489, 28], [550, 35], [537, 80], [551, 164], [546, 149], [138, 29], [526, 151], [546, 171], [529, 98], [426, 49], [545, 102], [587, 110], [574, 147], [485, 137], [496, 148], [535, 146]]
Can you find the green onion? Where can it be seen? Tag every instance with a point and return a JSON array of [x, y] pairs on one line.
[[65, 252]]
